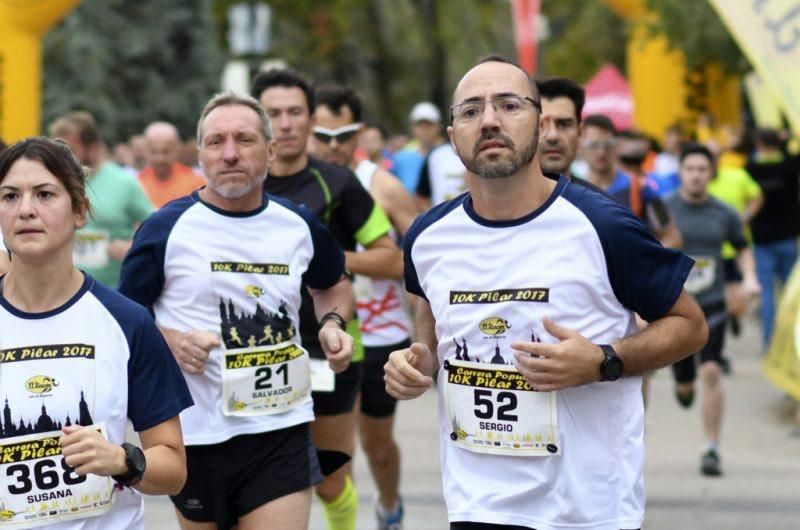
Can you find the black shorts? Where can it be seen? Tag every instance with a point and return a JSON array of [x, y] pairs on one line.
[[732, 272], [375, 402], [487, 526], [345, 392], [685, 370], [464, 525], [232, 478]]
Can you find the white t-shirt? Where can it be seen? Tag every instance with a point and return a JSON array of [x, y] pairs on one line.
[[98, 359], [239, 276], [442, 176], [382, 314], [587, 263]]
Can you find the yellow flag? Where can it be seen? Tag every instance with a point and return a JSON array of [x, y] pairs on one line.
[[782, 364], [766, 109], [768, 32]]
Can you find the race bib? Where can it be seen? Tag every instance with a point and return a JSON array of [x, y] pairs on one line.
[[702, 275], [38, 488], [90, 249], [323, 379], [493, 410], [264, 380]]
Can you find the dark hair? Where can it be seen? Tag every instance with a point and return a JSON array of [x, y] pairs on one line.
[[558, 87], [693, 148], [336, 97], [497, 58], [287, 78], [601, 121], [380, 128], [768, 138], [631, 134], [78, 122], [3, 146], [56, 157]]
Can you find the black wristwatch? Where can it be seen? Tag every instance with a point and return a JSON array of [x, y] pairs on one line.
[[612, 366], [134, 459]]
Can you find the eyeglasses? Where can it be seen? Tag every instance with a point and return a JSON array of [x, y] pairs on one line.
[[598, 145], [341, 135], [507, 106]]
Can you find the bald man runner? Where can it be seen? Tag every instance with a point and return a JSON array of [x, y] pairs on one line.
[[525, 293], [164, 178]]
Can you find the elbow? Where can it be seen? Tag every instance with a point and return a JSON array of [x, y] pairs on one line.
[[396, 260], [699, 333], [179, 479]]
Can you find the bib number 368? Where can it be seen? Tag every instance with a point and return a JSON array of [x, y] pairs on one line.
[[47, 475]]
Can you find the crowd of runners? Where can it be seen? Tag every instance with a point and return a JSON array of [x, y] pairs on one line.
[[256, 299]]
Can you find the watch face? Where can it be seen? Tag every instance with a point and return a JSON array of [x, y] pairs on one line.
[[137, 459], [613, 368]]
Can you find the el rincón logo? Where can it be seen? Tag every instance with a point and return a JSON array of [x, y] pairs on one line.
[[527, 294], [494, 326], [40, 384]]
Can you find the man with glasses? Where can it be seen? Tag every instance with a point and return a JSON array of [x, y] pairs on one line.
[[385, 325], [335, 195], [599, 144], [525, 293]]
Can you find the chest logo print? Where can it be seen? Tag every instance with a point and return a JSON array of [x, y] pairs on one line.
[[40, 384], [494, 326], [253, 290]]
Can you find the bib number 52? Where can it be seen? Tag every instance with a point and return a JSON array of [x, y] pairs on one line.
[[485, 406], [45, 476]]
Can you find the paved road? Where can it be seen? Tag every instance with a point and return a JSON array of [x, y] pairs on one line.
[[760, 489]]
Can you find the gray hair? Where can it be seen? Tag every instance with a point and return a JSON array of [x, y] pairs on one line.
[[230, 98]]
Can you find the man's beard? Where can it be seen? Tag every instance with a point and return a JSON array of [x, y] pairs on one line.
[[234, 191], [501, 167]]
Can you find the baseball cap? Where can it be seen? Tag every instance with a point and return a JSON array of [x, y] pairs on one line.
[[425, 111]]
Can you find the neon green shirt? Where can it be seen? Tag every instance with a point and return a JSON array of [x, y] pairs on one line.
[[735, 187]]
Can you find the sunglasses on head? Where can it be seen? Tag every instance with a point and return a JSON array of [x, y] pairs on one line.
[[341, 135]]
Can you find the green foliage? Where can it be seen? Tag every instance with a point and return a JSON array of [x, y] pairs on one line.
[[695, 28], [394, 52], [130, 63], [585, 35]]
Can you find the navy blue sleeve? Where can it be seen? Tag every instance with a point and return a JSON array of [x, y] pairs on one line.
[[157, 390], [142, 275], [327, 264], [421, 223], [646, 277]]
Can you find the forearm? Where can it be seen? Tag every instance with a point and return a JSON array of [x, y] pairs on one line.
[[379, 262], [166, 470], [425, 332], [744, 258], [752, 208], [671, 236], [666, 340], [338, 299]]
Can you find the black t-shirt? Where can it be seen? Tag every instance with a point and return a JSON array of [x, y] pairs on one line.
[[779, 218], [336, 196]]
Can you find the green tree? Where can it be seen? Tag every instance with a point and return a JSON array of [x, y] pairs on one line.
[[695, 29], [585, 35], [130, 63], [394, 52]]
